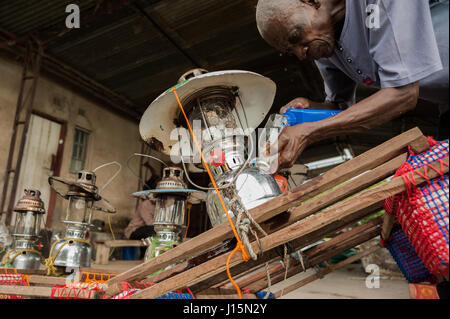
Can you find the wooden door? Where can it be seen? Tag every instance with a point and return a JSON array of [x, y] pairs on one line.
[[40, 158]]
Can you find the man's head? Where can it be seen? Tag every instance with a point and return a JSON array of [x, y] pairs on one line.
[[301, 27]]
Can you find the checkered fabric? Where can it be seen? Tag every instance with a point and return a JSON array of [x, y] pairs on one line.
[[128, 290], [406, 258], [13, 279], [423, 211]]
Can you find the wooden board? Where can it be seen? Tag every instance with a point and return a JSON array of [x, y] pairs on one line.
[[326, 271], [333, 196], [37, 291], [221, 293], [337, 212], [215, 236], [124, 243], [317, 254], [274, 255], [46, 280]]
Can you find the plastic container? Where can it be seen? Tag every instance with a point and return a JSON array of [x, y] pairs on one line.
[[298, 116], [291, 117], [129, 253]]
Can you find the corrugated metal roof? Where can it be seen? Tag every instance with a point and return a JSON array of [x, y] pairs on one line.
[[119, 46]]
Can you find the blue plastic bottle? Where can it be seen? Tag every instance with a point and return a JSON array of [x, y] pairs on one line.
[[294, 117], [298, 116]]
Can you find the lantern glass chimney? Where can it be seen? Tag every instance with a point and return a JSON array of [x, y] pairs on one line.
[[27, 223], [79, 210]]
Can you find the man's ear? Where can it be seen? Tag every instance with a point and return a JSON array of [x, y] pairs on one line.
[[314, 3]]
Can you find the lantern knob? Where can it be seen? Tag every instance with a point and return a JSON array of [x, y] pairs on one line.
[[217, 158]]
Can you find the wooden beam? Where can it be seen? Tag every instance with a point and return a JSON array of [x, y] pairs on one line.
[[326, 271], [331, 197], [215, 236], [273, 255], [124, 243], [221, 293], [388, 223], [39, 291], [46, 280], [318, 254], [31, 291], [302, 228]]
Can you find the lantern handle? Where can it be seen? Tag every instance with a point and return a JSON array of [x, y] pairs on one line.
[[113, 177]]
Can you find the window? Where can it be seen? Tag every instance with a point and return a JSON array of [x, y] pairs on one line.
[[80, 143]]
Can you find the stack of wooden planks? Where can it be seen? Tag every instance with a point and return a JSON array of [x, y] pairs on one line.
[[331, 202]]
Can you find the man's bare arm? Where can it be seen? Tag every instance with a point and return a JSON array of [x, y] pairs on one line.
[[381, 107]]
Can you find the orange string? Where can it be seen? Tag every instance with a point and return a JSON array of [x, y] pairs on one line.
[[239, 244]]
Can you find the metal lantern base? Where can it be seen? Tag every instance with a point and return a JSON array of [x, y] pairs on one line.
[[253, 187], [167, 237], [23, 255], [72, 251]]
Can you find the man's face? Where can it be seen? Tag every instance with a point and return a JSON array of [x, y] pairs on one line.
[[301, 30]]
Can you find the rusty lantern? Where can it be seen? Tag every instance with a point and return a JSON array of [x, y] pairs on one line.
[[29, 212]]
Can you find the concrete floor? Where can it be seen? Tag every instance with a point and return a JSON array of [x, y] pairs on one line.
[[346, 283]]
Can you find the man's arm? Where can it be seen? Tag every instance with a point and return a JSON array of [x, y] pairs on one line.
[[339, 89], [383, 106]]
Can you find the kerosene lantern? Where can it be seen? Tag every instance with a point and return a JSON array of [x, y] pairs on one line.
[[170, 197], [74, 250], [226, 107], [29, 211]]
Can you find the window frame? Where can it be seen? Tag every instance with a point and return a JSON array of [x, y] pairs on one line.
[[76, 148]]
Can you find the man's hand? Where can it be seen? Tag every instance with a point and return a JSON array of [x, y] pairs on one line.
[[304, 103], [291, 143], [298, 103]]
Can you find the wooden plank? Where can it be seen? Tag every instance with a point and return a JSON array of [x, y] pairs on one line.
[[302, 228], [420, 145], [326, 271], [31, 291], [221, 293], [102, 254], [273, 255], [39, 291], [47, 280], [24, 271], [215, 236], [331, 197], [124, 243], [318, 254], [388, 223]]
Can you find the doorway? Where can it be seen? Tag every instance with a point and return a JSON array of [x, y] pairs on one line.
[[41, 159]]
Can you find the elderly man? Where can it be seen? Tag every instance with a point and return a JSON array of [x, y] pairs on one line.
[[397, 46]]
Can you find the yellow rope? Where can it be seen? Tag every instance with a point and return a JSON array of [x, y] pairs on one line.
[[51, 269]]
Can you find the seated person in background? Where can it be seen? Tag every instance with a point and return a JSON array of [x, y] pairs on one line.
[[141, 226]]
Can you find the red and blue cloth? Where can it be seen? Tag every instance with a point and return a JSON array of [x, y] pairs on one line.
[[423, 213]]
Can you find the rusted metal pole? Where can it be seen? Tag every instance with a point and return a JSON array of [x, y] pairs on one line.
[[33, 59]]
